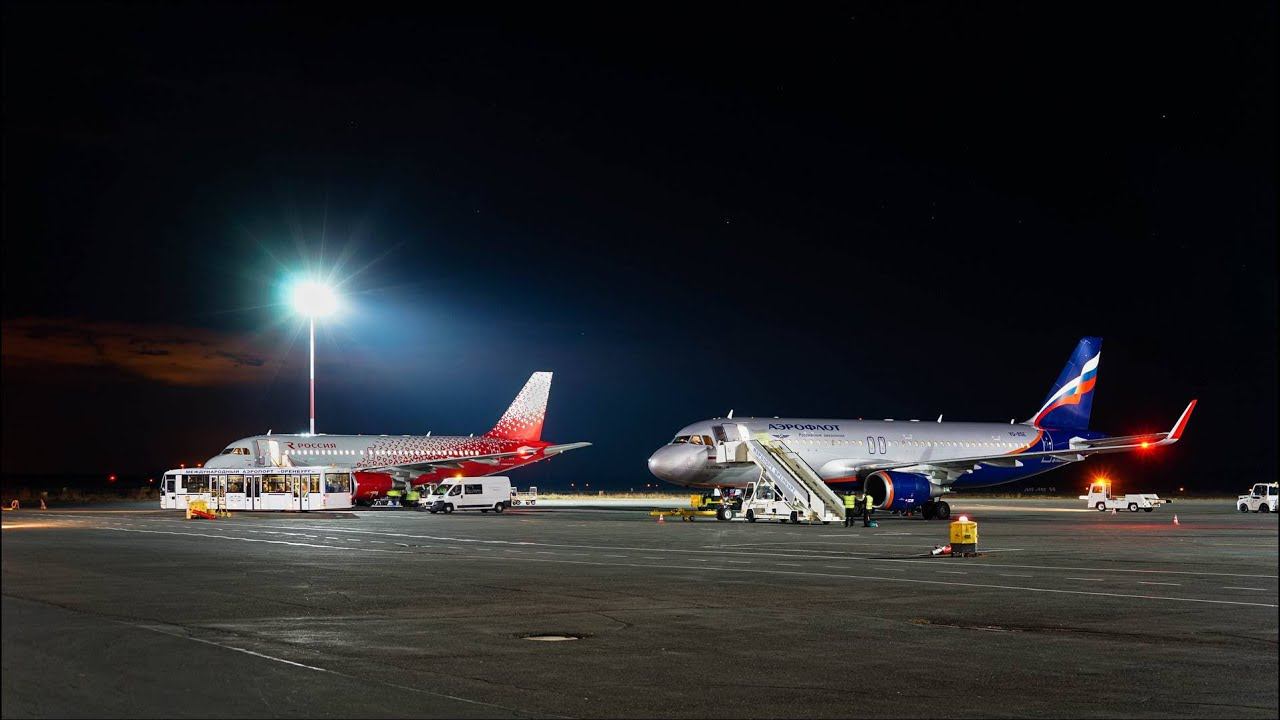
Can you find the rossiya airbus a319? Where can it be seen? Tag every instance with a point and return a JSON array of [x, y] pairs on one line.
[[383, 462]]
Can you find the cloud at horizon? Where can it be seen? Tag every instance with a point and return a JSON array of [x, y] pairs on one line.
[[165, 353]]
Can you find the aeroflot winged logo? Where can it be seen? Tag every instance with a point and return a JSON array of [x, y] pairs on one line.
[[794, 426]]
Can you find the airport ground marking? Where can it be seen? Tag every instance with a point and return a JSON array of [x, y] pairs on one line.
[[1056, 591], [1236, 587], [327, 671], [851, 556], [480, 543], [1088, 579], [241, 539], [1144, 582], [224, 646]]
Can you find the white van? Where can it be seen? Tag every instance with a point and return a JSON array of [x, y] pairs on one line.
[[479, 493]]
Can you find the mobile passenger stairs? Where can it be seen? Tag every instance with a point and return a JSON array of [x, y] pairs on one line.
[[788, 489]]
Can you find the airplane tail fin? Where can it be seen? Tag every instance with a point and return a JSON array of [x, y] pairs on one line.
[[1071, 397], [523, 420]]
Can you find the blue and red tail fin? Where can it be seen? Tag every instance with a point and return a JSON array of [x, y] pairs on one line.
[[1071, 397]]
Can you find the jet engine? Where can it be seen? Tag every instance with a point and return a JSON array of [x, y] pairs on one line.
[[893, 490], [371, 485]]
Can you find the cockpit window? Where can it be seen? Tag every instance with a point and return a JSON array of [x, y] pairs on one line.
[[695, 439], [706, 439], [680, 439], [235, 451]]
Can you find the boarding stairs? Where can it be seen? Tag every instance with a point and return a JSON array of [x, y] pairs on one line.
[[792, 477]]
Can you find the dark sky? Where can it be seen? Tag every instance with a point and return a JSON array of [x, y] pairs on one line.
[[879, 210]]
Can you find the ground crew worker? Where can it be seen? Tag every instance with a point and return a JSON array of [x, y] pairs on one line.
[[867, 502], [850, 508]]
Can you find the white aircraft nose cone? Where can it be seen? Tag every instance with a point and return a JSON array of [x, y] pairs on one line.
[[678, 463]]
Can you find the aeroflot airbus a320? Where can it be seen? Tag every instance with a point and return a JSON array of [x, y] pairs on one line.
[[908, 465], [383, 462]]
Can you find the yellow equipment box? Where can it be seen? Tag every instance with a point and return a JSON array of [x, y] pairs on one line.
[[964, 537]]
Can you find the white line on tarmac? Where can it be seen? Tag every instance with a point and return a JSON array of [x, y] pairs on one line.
[[242, 539], [1233, 587], [762, 571], [180, 636], [231, 647], [1013, 575], [481, 542], [1089, 579], [1143, 582]]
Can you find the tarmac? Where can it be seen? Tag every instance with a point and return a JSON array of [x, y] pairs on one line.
[[129, 611]]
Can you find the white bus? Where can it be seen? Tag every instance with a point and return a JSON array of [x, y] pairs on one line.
[[265, 488]]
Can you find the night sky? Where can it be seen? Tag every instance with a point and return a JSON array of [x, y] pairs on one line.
[[873, 210]]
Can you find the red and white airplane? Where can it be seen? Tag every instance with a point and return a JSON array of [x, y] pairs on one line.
[[383, 462]]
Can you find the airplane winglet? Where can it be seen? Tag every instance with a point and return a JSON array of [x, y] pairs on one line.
[[1176, 433]]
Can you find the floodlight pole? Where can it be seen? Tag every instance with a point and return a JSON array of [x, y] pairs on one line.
[[313, 374]]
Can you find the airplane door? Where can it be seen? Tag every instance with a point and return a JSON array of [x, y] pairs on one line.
[[722, 435], [269, 453]]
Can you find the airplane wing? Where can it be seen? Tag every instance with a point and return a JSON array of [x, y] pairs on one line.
[[948, 470], [458, 462]]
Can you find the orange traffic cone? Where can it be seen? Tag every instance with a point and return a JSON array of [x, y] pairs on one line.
[[661, 518], [1175, 520]]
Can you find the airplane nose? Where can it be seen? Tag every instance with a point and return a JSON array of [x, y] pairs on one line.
[[678, 463]]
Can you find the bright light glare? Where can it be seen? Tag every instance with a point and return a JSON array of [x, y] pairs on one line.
[[964, 518], [314, 299]]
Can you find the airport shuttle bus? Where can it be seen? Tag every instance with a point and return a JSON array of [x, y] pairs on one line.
[[268, 488]]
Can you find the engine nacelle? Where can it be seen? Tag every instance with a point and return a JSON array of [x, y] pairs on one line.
[[893, 490], [371, 485]]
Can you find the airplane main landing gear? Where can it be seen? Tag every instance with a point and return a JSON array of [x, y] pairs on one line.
[[939, 510]]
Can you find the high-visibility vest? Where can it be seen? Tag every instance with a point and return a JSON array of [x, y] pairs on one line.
[[850, 501], [871, 503]]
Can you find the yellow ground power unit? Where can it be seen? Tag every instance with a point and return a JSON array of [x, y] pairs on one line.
[[964, 537]]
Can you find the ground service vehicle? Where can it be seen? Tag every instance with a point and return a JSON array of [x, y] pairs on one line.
[[263, 488], [475, 493], [1100, 498], [765, 500], [1262, 498]]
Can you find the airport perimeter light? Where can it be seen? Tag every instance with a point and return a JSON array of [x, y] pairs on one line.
[[314, 300]]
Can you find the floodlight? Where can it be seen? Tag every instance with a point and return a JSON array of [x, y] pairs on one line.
[[314, 299]]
